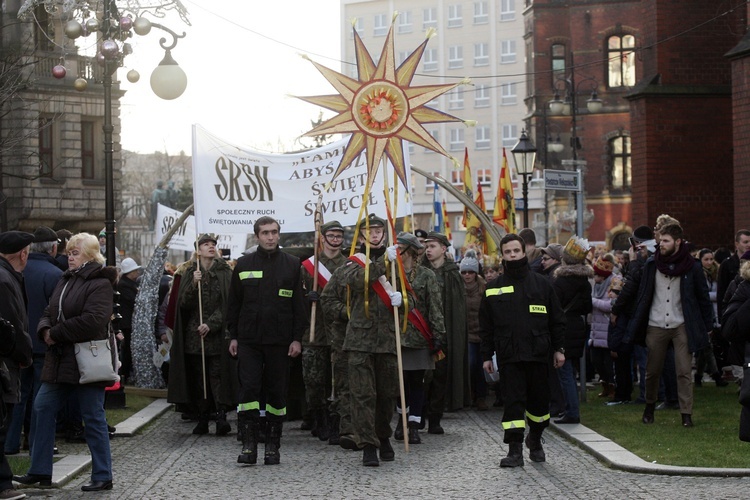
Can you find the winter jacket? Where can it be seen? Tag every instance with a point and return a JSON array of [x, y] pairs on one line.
[[16, 352], [600, 322], [266, 299], [521, 319], [473, 301], [573, 289], [128, 290], [321, 326], [426, 298], [696, 306], [87, 300], [41, 276]]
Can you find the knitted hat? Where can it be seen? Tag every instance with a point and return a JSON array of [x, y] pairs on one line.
[[554, 251], [575, 250], [604, 265], [470, 262]]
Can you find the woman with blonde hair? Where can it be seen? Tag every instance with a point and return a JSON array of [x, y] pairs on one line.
[[79, 311]]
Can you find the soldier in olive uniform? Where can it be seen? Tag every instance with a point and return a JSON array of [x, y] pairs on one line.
[[316, 356]]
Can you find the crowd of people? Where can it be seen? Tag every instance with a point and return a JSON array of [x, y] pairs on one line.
[[534, 324]]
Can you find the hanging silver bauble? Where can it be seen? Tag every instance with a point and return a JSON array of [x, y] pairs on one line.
[[73, 29], [142, 26], [133, 76]]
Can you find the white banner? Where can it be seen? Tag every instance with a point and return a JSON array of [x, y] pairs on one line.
[[233, 186], [184, 237]]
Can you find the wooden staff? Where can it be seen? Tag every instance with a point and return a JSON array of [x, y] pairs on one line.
[[200, 313], [316, 254], [395, 319]]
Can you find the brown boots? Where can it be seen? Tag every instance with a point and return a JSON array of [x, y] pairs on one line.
[[608, 390]]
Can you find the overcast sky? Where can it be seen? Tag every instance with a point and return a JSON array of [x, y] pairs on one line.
[[238, 80]]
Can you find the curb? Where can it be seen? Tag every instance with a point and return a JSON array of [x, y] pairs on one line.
[[617, 457]]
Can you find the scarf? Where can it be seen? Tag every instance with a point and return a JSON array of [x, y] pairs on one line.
[[676, 264], [600, 289], [517, 269]]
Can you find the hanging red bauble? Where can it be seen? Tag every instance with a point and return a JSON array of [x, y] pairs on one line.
[[59, 71]]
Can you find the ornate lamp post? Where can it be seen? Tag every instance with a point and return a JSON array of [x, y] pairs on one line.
[[116, 25], [569, 107], [524, 156]]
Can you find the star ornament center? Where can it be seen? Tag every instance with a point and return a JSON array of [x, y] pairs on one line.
[[382, 108]]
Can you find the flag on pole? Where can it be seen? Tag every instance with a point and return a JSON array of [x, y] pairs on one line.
[[505, 211], [447, 224], [437, 210], [475, 231], [467, 187]]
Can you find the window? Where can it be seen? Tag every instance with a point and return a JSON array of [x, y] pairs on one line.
[[619, 153], [44, 34], [404, 22], [621, 60], [507, 51], [481, 96], [481, 13], [457, 178], [430, 184], [430, 60], [435, 135], [457, 139], [507, 10], [380, 25], [484, 176], [454, 16], [89, 167], [46, 147], [429, 18], [558, 62], [481, 54], [482, 137], [411, 147], [359, 26], [434, 103], [508, 94], [510, 136], [456, 99], [455, 57]]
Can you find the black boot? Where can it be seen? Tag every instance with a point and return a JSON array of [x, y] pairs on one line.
[[248, 428], [398, 434], [324, 431], [386, 450], [202, 427], [370, 456], [434, 426], [262, 429], [414, 433], [333, 423], [515, 456], [648, 413], [222, 426], [534, 444], [720, 382], [273, 443]]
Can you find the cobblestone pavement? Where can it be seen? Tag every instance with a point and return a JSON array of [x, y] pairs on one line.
[[167, 461]]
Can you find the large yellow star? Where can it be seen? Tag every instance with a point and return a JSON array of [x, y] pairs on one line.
[[380, 109]]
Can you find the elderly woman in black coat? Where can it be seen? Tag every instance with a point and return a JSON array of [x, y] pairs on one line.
[[79, 310]]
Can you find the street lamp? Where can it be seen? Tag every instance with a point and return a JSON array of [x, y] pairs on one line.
[[569, 107], [168, 80], [524, 156]]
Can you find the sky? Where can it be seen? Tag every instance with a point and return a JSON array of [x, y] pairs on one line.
[[242, 60]]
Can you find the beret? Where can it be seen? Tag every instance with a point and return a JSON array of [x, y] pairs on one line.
[[15, 241]]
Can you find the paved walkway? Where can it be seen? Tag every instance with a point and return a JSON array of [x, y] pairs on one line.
[[166, 461]]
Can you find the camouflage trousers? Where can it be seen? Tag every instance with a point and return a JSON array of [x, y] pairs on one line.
[[316, 371], [373, 382], [341, 404]]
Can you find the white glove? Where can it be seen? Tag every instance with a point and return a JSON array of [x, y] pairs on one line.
[[391, 252], [396, 299]]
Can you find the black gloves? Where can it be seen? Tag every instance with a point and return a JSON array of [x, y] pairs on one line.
[[313, 296]]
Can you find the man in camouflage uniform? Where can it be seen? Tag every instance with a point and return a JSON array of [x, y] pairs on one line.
[[448, 385], [370, 345], [316, 356]]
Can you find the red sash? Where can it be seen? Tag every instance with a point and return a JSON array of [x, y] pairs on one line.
[[323, 273], [414, 317]]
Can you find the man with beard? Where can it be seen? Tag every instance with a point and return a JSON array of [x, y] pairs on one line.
[[673, 306], [523, 323], [316, 355]]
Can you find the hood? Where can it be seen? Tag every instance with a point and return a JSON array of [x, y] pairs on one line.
[[583, 270]]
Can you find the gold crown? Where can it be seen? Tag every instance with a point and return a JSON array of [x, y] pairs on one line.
[[577, 248]]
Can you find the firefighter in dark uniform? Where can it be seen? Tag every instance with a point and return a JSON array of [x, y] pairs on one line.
[[522, 322], [266, 320]]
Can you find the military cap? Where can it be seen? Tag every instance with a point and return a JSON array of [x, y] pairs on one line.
[[334, 225], [43, 234], [375, 221], [420, 233], [14, 241], [409, 240], [439, 237], [206, 237]]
